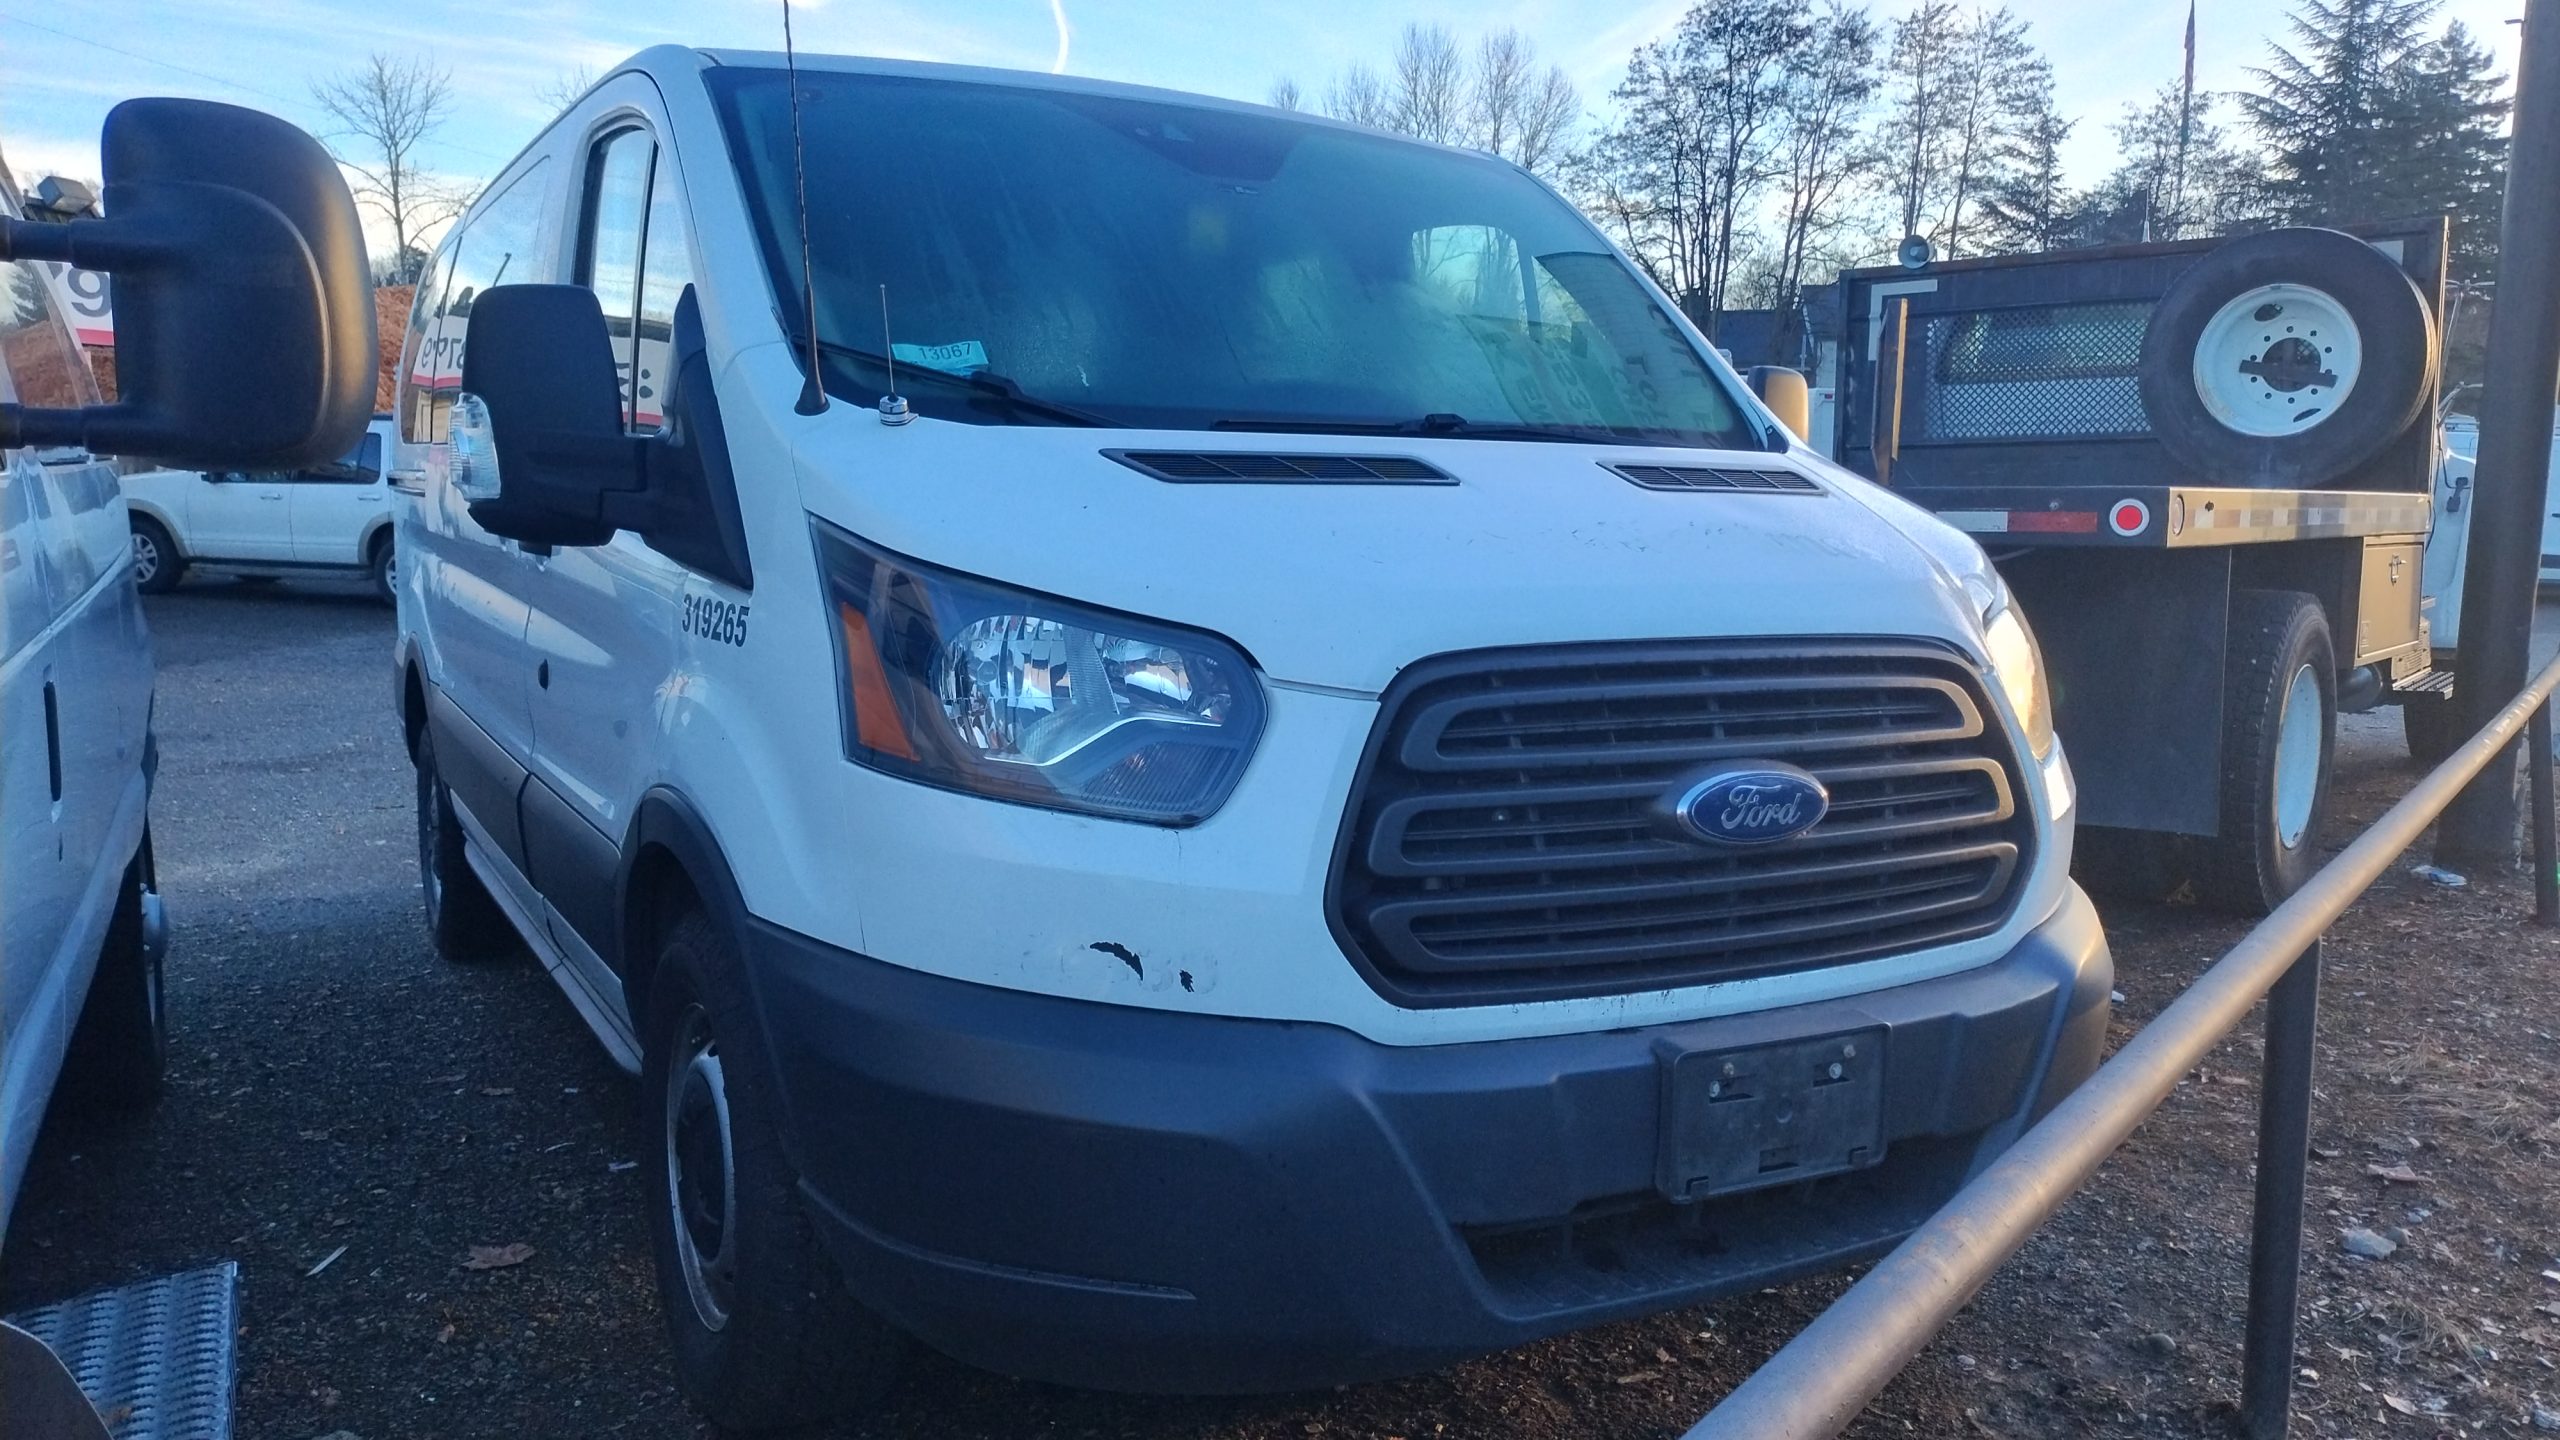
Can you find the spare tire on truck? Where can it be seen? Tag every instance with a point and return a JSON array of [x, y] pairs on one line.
[[2283, 360]]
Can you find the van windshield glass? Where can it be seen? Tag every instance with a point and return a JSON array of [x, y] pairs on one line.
[[1061, 258]]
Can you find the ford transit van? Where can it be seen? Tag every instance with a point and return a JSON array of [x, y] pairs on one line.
[[1192, 748]]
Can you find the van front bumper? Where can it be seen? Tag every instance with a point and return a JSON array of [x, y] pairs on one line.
[[1137, 1199]]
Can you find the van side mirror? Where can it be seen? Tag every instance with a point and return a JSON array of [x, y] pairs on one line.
[[537, 432], [1785, 393], [244, 306], [539, 450]]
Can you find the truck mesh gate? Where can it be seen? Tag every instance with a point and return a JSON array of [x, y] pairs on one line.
[[2036, 372], [1502, 845]]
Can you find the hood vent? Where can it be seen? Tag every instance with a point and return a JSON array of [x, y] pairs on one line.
[[1745, 481], [1222, 467]]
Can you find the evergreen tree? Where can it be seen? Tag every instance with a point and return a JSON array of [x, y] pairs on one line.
[[2446, 117], [2369, 119], [2217, 190], [2031, 206]]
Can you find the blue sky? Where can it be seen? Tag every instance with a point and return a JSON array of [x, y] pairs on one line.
[[62, 66]]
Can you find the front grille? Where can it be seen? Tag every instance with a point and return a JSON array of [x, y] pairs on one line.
[[1502, 846]]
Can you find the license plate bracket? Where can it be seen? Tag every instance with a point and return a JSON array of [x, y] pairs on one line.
[[1750, 1117]]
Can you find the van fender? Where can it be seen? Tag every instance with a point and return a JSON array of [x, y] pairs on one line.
[[669, 858], [670, 861]]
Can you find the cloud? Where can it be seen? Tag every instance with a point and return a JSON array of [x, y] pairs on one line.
[[1058, 13]]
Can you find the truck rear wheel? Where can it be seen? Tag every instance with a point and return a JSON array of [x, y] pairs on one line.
[[2280, 715]]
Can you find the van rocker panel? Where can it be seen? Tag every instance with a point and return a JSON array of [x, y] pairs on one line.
[[1131, 1199]]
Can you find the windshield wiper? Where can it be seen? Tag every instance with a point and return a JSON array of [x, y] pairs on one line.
[[1003, 389], [1437, 424]]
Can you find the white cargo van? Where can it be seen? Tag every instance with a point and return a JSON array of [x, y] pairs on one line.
[[81, 926], [1312, 788]]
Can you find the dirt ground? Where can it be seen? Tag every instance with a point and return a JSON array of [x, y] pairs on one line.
[[334, 1087]]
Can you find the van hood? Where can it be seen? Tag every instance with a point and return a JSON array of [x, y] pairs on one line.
[[1342, 585]]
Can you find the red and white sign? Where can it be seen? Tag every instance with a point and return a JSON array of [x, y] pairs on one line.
[[83, 298]]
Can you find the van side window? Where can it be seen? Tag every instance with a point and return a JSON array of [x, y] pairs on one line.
[[497, 245], [609, 237], [666, 268], [418, 349]]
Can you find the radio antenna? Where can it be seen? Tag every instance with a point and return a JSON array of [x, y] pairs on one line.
[[893, 406], [813, 393]]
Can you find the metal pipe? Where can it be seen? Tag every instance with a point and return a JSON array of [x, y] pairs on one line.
[[2284, 1160], [1819, 1381], [2523, 366], [2546, 827]]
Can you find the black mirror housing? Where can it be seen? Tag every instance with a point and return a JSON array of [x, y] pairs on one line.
[[539, 358], [244, 304]]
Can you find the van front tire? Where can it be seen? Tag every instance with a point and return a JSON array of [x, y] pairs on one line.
[[764, 1332], [466, 923], [119, 1055]]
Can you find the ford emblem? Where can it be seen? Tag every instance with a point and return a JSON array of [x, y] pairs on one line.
[[1754, 802]]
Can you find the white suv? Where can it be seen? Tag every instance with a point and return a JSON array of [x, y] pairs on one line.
[[1325, 792], [267, 523]]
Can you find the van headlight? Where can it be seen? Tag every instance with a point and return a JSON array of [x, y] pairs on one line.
[[961, 683], [2018, 665]]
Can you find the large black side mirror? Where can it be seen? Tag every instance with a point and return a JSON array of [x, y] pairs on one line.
[[244, 306], [539, 450], [537, 430]]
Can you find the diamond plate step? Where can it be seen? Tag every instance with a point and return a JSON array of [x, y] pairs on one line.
[[157, 1357]]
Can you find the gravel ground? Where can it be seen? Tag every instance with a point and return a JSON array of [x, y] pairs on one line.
[[338, 1093]]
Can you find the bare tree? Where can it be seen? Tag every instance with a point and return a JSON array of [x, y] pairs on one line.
[[1919, 64], [1517, 111], [1694, 151], [1360, 95], [1996, 87], [1823, 150], [1429, 86], [1967, 89], [1284, 95], [385, 113], [568, 87]]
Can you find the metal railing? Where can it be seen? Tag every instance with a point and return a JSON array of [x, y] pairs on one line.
[[1819, 1381]]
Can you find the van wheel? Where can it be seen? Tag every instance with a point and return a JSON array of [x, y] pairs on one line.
[[385, 565], [466, 923], [2428, 722], [119, 1054], [765, 1333], [157, 565], [2280, 709]]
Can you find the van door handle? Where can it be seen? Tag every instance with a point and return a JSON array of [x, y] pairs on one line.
[[53, 740]]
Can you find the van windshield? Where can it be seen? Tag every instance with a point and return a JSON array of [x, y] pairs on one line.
[[1053, 257]]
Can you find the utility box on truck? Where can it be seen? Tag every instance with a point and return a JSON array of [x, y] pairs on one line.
[[2207, 469]]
